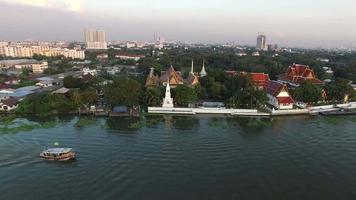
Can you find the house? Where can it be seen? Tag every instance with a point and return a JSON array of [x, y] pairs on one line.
[[12, 80], [172, 76], [25, 91], [45, 82], [255, 54], [102, 56], [9, 104], [279, 96], [124, 56], [298, 74], [87, 70]]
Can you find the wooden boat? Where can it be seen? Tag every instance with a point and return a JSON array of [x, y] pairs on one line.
[[58, 154]]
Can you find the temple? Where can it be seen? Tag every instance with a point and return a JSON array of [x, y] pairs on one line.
[[174, 78], [152, 80], [258, 80], [298, 74], [193, 78], [171, 76], [279, 96]]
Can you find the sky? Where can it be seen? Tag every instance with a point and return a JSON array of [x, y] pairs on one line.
[[302, 23]]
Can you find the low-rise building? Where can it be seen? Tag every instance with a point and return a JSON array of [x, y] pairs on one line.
[[129, 57], [37, 67], [279, 96], [45, 82], [87, 70], [30, 51]]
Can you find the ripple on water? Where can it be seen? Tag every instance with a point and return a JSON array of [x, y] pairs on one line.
[[284, 158]]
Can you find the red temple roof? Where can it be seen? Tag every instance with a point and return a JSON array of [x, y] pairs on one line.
[[298, 74], [259, 79], [285, 100]]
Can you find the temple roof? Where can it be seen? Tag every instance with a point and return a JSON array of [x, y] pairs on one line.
[[152, 80], [192, 79], [299, 74], [274, 88], [174, 77]]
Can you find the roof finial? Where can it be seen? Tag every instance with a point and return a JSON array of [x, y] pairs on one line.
[[203, 72], [192, 69]]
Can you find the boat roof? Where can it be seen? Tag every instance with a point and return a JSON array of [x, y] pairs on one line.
[[58, 150]]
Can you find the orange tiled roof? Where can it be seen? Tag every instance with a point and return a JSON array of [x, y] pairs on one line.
[[299, 74]]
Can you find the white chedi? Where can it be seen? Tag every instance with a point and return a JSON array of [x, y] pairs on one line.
[[168, 100]]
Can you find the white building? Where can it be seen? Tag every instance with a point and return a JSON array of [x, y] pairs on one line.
[[37, 67], [87, 70], [27, 52], [261, 43], [129, 57], [95, 39]]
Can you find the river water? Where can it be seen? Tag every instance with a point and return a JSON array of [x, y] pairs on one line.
[[181, 158]]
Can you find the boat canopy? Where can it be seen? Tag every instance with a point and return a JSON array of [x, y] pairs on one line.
[[57, 150]]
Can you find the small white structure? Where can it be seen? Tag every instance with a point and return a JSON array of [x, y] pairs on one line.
[[168, 100], [203, 73], [87, 70]]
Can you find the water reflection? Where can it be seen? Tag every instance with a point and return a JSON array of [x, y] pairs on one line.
[[249, 125], [124, 123], [152, 121], [184, 122]]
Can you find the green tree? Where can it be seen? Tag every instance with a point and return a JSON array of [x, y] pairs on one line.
[[71, 82], [338, 89], [76, 98], [123, 91], [308, 93], [153, 97], [185, 95], [46, 104], [89, 96]]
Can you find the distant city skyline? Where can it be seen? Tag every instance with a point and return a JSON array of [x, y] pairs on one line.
[[319, 23]]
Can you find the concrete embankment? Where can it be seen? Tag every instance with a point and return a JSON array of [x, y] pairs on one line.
[[217, 111], [249, 112]]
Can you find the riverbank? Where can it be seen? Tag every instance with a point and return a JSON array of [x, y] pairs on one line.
[[250, 112], [315, 110]]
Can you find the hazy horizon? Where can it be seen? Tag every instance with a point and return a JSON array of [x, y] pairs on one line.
[[326, 24]]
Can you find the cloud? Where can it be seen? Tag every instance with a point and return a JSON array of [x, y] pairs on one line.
[[69, 5]]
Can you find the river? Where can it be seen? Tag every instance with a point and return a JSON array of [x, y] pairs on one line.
[[166, 157]]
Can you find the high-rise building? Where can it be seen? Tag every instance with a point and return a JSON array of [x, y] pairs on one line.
[[95, 39], [261, 42]]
